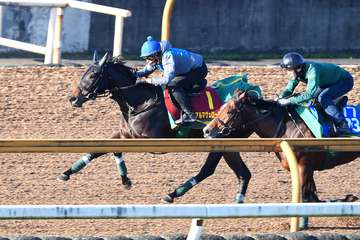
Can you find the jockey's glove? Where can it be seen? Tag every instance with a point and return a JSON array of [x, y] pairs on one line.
[[283, 101]]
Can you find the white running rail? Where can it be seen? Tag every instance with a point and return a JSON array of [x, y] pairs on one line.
[[52, 50], [194, 211]]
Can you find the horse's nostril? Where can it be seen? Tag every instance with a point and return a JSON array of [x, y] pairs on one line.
[[92, 96]]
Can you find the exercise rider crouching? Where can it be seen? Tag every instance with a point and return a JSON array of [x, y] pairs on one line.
[[181, 69], [324, 82]]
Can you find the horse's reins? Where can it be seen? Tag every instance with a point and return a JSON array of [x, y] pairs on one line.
[[293, 120], [131, 109], [227, 129]]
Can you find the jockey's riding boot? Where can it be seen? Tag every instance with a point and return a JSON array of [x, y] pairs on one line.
[[183, 100], [342, 128]]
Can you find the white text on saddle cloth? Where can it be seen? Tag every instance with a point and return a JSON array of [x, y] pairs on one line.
[[352, 115]]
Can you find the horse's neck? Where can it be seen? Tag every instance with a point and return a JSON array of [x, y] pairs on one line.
[[269, 127], [279, 125], [136, 96], [120, 75], [144, 112], [265, 124]]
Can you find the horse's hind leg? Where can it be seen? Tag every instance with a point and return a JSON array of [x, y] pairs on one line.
[[120, 164], [233, 159], [308, 190], [206, 170], [78, 165]]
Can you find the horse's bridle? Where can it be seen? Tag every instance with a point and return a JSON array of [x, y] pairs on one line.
[[227, 129], [92, 93]]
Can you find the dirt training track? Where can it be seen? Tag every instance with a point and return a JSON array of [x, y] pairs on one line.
[[33, 104]]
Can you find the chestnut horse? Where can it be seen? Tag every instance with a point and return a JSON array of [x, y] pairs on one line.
[[143, 115], [269, 120]]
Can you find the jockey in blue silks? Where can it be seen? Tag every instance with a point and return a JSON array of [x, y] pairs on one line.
[[181, 69]]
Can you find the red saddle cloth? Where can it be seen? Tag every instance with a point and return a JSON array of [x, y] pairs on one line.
[[205, 104]]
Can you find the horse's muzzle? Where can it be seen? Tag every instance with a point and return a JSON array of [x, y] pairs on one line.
[[209, 133], [75, 101]]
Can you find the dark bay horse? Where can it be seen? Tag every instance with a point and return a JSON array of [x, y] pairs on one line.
[[143, 115], [269, 120]]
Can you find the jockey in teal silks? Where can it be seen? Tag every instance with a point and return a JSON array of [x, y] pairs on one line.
[[325, 82], [181, 69]]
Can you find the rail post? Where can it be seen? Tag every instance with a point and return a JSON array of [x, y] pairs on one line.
[[295, 182], [196, 229], [50, 37], [118, 35], [165, 30], [1, 20], [57, 36]]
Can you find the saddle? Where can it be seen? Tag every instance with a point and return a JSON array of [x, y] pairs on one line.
[[204, 103], [321, 125]]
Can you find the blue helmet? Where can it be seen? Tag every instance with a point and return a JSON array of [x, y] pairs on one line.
[[150, 47]]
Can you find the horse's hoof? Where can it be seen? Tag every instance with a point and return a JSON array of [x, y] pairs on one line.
[[167, 199], [350, 198], [63, 177], [127, 183], [239, 198]]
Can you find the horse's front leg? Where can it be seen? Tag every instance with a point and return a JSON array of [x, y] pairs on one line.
[[120, 164], [87, 158], [243, 174], [122, 170]]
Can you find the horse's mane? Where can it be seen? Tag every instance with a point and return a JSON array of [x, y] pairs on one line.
[[248, 98], [119, 64], [266, 104]]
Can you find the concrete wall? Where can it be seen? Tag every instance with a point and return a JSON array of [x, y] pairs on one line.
[[246, 25], [208, 25], [30, 24]]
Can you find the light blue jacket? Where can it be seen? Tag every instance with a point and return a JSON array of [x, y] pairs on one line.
[[174, 62]]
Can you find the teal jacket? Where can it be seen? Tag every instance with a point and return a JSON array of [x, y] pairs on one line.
[[315, 74]]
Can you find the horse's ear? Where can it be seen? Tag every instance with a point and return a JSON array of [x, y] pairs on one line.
[[95, 57], [103, 59], [237, 94], [243, 95]]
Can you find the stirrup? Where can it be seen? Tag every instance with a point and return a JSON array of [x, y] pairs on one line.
[[186, 118]]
